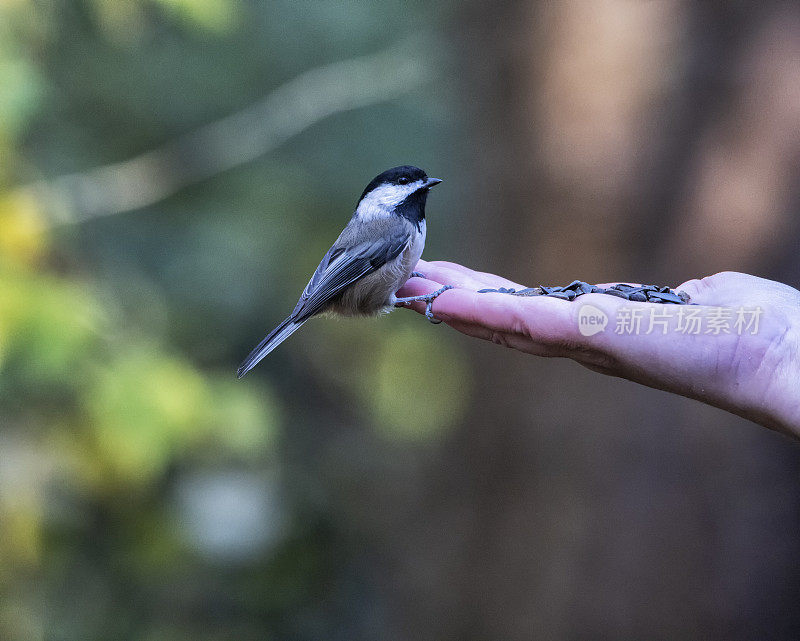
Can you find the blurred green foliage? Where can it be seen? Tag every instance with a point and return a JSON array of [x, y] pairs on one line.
[[119, 337]]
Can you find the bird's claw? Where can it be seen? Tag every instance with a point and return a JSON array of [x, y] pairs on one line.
[[429, 307], [429, 314], [428, 299]]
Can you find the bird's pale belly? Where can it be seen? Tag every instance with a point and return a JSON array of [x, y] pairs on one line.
[[375, 293]]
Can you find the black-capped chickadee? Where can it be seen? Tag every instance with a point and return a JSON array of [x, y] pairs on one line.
[[372, 258]]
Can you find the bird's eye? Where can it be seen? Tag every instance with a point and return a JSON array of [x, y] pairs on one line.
[[403, 180]]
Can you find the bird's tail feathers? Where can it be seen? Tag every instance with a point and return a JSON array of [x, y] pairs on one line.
[[275, 338]]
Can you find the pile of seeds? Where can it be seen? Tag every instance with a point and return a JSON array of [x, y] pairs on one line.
[[636, 293]]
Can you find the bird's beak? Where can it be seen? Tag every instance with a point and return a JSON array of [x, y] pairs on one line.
[[432, 182]]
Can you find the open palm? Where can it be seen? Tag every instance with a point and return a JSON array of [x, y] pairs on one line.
[[739, 353]]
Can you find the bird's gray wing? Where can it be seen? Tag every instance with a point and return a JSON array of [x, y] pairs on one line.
[[343, 266]]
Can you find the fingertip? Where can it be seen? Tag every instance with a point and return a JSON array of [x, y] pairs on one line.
[[418, 287]]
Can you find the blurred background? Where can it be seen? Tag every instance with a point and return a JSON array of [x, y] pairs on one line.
[[171, 171]]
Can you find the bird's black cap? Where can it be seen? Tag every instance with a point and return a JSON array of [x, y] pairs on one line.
[[396, 175]]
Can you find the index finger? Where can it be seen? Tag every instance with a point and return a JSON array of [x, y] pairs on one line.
[[463, 277], [548, 320]]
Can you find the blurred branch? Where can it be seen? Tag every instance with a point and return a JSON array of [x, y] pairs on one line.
[[234, 140]]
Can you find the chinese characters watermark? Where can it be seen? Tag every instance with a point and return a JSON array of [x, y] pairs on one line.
[[684, 319], [688, 320]]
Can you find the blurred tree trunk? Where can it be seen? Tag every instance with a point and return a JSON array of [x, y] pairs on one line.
[[572, 505]]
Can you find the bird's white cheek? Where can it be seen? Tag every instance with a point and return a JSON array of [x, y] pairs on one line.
[[368, 209], [380, 202]]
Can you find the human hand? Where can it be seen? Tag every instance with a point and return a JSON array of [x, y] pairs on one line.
[[755, 374]]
